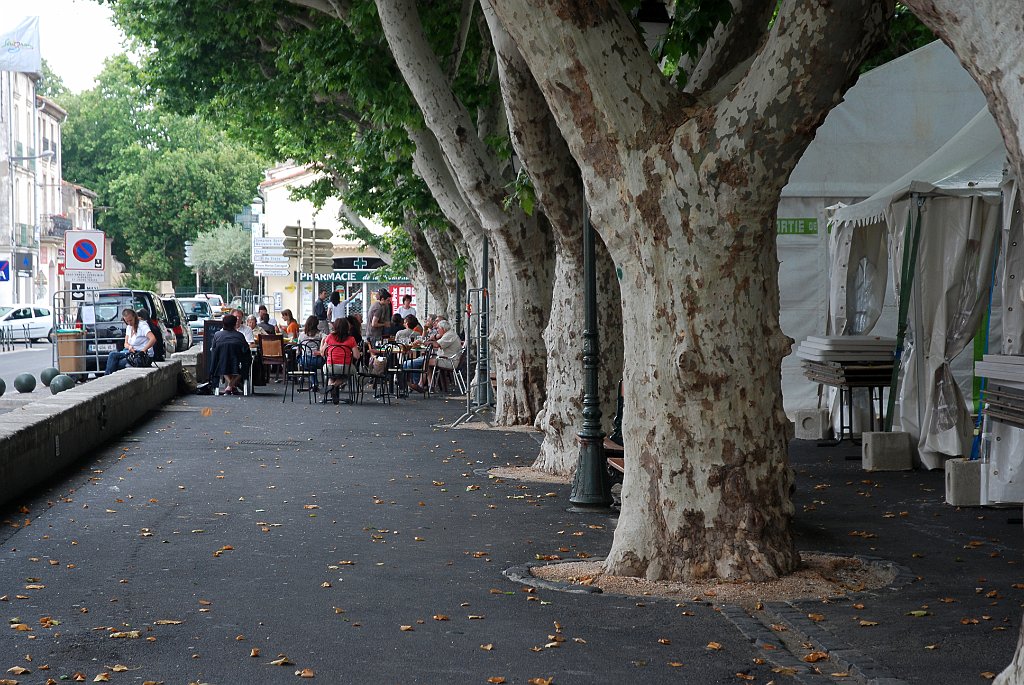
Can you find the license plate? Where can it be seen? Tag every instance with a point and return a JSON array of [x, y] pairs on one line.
[[102, 347]]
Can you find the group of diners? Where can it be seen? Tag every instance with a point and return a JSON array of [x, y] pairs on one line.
[[340, 351]]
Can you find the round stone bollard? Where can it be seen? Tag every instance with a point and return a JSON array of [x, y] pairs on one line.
[[61, 383], [25, 382], [3, 387], [47, 375]]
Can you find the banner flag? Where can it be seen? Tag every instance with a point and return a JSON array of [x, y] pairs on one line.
[[19, 47]]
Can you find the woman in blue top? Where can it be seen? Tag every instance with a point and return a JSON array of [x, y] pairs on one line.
[[137, 338]]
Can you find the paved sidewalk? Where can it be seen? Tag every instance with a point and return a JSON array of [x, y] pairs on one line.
[[321, 533]]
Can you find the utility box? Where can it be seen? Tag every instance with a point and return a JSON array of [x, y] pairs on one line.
[[71, 351]]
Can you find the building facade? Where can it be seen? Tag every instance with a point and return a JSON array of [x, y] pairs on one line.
[[296, 291]]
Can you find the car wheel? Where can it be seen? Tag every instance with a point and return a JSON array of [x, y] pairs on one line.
[[49, 336]]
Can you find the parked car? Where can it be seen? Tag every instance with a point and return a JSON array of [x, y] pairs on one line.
[[27, 321], [216, 301], [178, 323], [197, 311], [106, 334]]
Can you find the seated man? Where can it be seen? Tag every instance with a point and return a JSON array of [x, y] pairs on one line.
[[246, 331], [229, 356], [448, 347]]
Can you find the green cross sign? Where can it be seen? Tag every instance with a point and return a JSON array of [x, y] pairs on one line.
[[359, 263]]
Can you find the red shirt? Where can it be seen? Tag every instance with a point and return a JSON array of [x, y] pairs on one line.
[[339, 352]]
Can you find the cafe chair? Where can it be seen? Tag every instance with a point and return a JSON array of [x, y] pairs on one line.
[[304, 375], [271, 353], [448, 371], [343, 372]]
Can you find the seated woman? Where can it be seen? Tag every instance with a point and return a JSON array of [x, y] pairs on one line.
[[311, 334], [288, 327], [411, 332], [340, 351], [138, 337], [230, 357], [448, 348], [397, 325]]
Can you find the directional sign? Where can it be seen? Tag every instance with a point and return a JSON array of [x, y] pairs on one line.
[[269, 258], [5, 270], [267, 242], [83, 250], [272, 272], [268, 250]]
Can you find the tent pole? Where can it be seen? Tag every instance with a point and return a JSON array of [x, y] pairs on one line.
[[981, 383], [912, 235]]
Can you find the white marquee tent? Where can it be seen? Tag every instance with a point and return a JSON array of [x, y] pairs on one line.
[[895, 117], [939, 224]]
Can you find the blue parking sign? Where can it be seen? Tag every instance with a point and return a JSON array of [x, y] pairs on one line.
[[5, 270]]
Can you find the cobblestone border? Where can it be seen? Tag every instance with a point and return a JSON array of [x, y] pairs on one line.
[[767, 641]]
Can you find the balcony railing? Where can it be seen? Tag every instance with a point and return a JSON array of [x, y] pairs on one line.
[[54, 225]]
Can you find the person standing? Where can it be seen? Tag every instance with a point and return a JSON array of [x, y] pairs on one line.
[[321, 313], [380, 316], [406, 309]]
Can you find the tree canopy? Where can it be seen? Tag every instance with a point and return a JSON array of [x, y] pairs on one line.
[[162, 178]]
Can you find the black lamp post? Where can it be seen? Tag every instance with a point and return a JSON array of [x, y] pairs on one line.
[[591, 491]]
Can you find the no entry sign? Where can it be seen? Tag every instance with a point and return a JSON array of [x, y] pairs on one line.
[[83, 250]]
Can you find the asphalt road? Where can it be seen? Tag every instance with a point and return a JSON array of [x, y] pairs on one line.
[[366, 545], [24, 360]]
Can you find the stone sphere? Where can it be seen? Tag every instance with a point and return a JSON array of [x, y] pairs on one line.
[[25, 382], [61, 383], [3, 386], [47, 375]]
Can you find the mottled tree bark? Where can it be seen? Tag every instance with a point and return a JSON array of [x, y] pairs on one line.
[[684, 192], [431, 273], [559, 191], [521, 283]]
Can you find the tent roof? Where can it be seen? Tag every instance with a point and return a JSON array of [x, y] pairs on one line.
[[970, 163], [892, 118]]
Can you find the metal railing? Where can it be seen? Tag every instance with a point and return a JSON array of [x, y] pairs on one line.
[[479, 394]]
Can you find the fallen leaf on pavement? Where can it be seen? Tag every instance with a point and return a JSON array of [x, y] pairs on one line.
[[305, 673], [815, 657], [282, 660], [488, 647], [497, 680], [406, 629], [714, 645], [129, 634]]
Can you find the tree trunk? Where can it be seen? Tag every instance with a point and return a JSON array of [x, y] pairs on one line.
[[431, 273], [441, 246], [520, 292], [522, 264], [684, 195], [704, 423]]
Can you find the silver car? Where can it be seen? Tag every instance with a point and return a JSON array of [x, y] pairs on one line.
[[197, 311]]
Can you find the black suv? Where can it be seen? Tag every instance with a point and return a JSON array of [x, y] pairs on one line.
[[107, 333]]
